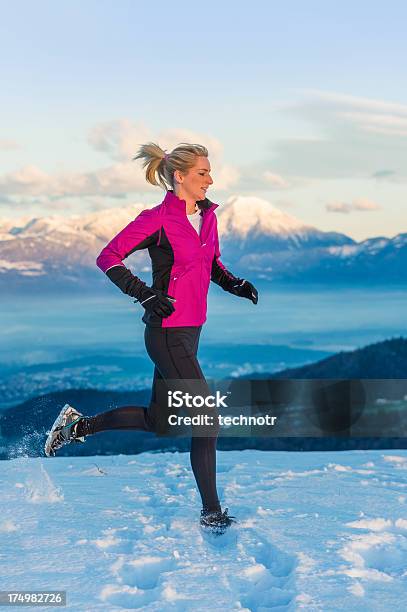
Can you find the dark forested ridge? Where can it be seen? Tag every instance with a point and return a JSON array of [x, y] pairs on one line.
[[23, 427], [386, 359]]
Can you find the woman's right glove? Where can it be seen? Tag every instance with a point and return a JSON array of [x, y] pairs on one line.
[[156, 302], [153, 300]]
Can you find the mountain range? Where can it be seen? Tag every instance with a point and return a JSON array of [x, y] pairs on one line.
[[257, 240]]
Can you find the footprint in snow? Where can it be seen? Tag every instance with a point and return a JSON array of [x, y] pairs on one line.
[[267, 580], [140, 581], [111, 542], [378, 554], [145, 571], [126, 597]]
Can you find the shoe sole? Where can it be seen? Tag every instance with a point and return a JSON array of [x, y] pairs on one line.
[[47, 446]]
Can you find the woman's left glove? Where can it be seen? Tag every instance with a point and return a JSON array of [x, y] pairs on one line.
[[243, 288]]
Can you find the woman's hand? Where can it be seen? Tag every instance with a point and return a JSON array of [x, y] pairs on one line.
[[157, 302], [243, 288]]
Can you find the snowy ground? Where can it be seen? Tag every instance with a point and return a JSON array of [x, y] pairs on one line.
[[316, 531]]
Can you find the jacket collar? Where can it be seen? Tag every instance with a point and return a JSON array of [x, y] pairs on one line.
[[175, 202]]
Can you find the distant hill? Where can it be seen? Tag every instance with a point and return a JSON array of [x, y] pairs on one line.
[[23, 427], [386, 359]]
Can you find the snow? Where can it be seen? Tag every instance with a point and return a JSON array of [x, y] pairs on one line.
[[61, 240], [347, 250], [121, 532], [238, 214], [58, 240], [400, 241], [102, 224], [27, 268], [242, 214]]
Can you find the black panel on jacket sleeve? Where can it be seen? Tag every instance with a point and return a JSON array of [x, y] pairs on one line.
[[146, 243], [222, 277], [126, 281]]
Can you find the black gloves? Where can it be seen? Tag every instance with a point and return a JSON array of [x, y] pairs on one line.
[[156, 302], [153, 300], [242, 288]]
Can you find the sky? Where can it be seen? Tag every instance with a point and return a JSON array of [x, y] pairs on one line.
[[302, 104]]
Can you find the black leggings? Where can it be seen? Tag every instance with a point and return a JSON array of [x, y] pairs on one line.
[[173, 351]]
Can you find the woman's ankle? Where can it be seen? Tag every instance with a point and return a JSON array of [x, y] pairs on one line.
[[211, 508], [84, 427]]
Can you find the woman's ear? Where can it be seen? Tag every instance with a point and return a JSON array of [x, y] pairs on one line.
[[178, 177]]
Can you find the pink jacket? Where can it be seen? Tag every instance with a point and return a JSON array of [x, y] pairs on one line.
[[183, 263]]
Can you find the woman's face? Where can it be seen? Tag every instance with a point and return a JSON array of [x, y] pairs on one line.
[[195, 183]]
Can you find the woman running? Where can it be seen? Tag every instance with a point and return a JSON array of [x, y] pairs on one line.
[[182, 239]]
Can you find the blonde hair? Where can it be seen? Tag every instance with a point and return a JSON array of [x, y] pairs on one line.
[[160, 166]]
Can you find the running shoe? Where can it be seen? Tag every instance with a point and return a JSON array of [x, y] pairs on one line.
[[63, 430], [217, 521]]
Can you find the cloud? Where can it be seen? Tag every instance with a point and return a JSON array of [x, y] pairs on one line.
[[360, 204], [9, 145], [275, 180], [342, 100], [6, 199], [376, 122], [353, 137], [284, 204], [119, 140], [383, 174], [27, 180], [110, 181], [260, 177], [14, 202]]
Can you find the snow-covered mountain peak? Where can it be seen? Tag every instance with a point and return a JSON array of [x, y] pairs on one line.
[[47, 225], [239, 215], [104, 224], [400, 241], [243, 214]]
